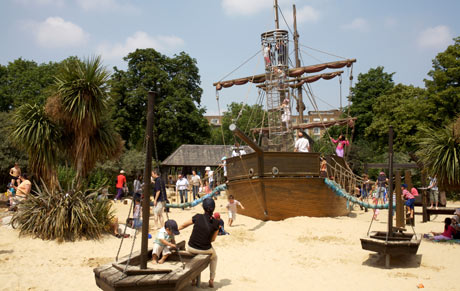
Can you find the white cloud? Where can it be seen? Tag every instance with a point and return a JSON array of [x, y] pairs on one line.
[[304, 14], [140, 40], [104, 5], [245, 7], [41, 2], [390, 22], [359, 24], [55, 32], [437, 37]]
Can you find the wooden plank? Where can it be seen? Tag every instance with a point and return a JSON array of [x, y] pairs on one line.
[[395, 166], [399, 201], [98, 270], [441, 210], [135, 270]]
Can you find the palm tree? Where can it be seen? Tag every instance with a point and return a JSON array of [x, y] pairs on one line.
[[440, 153], [80, 102], [34, 132]]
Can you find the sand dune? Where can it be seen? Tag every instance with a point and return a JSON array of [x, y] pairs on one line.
[[301, 253]]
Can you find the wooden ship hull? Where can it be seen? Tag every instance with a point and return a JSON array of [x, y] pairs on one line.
[[170, 276], [290, 185]]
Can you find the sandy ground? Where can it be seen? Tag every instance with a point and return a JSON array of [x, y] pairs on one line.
[[299, 253]]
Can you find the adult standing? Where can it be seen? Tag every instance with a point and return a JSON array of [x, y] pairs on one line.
[[196, 184], [434, 192], [382, 181], [137, 185], [302, 144], [15, 172], [159, 198], [181, 187], [121, 183], [205, 229], [210, 176]]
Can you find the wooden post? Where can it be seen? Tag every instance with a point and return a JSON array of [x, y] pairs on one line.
[[425, 215], [297, 63], [399, 201], [390, 178], [277, 24], [147, 174]]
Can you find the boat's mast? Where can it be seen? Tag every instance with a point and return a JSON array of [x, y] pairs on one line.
[[297, 64], [277, 24]]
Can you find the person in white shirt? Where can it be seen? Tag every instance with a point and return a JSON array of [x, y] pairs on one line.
[[232, 209], [237, 150], [224, 167], [210, 175], [181, 187], [302, 144]]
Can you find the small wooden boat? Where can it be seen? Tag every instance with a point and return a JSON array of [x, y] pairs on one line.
[[172, 275]]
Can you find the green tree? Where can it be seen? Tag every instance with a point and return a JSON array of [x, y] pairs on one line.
[[23, 81], [439, 150], [245, 117], [79, 107], [444, 88], [403, 107], [364, 95], [178, 115]]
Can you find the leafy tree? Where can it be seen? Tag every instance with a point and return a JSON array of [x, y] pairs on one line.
[[245, 117], [78, 106], [403, 107], [364, 95], [439, 150], [178, 115], [9, 154], [444, 88], [23, 81]]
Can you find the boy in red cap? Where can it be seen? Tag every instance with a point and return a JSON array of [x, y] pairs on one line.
[[221, 224]]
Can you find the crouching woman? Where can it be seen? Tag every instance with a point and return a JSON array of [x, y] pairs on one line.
[[205, 229]]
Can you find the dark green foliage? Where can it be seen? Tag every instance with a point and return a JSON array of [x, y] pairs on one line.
[[364, 95], [23, 81], [405, 108], [250, 117], [64, 215], [439, 150], [9, 154], [178, 115], [444, 88]]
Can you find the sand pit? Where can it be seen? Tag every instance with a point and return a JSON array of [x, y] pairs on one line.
[[301, 253]]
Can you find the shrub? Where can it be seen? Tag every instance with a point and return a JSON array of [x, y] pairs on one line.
[[64, 215]]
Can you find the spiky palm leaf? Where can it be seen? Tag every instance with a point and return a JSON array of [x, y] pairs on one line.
[[64, 215], [34, 132], [440, 153]]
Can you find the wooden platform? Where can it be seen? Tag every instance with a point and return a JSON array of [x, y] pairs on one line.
[[440, 210], [168, 276], [399, 244]]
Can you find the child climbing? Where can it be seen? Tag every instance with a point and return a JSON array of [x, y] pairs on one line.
[[232, 209], [410, 200], [341, 143], [164, 241]]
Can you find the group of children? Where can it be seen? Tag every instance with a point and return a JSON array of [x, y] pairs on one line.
[[164, 240], [451, 229]]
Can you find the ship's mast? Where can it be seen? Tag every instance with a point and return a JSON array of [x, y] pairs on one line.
[[275, 6], [297, 64]]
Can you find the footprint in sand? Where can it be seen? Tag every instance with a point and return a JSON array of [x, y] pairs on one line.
[[96, 262]]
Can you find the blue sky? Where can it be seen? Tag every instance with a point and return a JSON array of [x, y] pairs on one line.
[[402, 36]]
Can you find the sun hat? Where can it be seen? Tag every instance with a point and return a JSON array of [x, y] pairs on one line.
[[382, 173], [207, 169], [122, 172], [172, 225], [224, 158]]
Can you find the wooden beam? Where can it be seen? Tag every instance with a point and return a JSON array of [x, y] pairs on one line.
[[385, 166]]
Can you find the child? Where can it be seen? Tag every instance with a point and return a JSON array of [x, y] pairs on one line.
[[232, 209], [448, 231], [375, 199], [221, 224], [137, 214], [410, 200], [164, 241]]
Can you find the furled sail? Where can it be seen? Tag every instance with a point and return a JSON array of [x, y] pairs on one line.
[[294, 72]]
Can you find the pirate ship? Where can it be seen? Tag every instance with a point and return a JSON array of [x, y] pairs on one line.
[[274, 182]]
